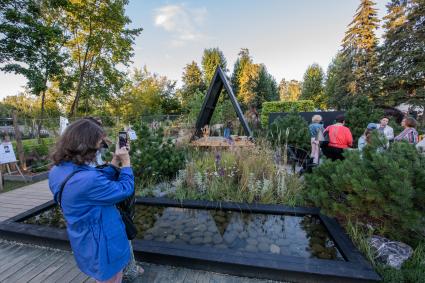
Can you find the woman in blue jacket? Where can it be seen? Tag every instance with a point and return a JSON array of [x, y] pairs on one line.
[[94, 225]]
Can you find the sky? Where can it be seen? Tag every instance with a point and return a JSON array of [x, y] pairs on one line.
[[286, 35]]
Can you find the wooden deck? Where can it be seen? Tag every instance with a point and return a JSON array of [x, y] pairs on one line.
[[28, 263], [19, 200]]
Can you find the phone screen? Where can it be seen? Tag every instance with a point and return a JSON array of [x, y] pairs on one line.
[[122, 139]]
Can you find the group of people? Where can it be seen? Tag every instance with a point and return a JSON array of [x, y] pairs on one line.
[[336, 138]]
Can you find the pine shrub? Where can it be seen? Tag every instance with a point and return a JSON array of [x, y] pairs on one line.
[[154, 157], [385, 189]]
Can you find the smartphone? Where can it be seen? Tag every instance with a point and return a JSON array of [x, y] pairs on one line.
[[123, 139]]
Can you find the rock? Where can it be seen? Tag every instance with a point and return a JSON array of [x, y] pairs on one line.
[[390, 252], [196, 241], [324, 255], [201, 228], [207, 240], [148, 237], [197, 234], [170, 238], [230, 237], [251, 241], [217, 239], [274, 249], [264, 247], [221, 246], [185, 237], [251, 248]]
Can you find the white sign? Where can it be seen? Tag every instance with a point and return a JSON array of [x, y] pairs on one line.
[[7, 155], [63, 123], [132, 135]]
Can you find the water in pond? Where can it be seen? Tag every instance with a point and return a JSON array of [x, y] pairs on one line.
[[275, 234]]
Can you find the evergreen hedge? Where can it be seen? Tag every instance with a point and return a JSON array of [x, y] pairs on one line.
[[382, 189], [284, 106]]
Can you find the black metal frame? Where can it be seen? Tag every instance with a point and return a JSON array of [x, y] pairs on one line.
[[355, 268], [217, 83]]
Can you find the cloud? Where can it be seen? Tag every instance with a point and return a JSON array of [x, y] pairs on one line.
[[184, 23]]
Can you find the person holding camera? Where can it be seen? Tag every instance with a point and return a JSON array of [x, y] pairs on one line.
[[88, 198]]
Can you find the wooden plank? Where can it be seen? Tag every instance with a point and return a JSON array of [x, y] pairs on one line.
[[81, 277], [91, 280], [58, 261], [60, 272], [32, 268], [15, 258], [71, 274], [12, 252], [171, 274], [192, 276], [151, 272], [23, 264]]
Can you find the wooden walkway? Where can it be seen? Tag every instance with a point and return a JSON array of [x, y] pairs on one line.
[[28, 263], [19, 200]]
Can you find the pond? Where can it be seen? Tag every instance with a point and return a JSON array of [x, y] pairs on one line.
[[300, 236]]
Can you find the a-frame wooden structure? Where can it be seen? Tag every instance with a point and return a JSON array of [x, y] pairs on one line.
[[218, 82]]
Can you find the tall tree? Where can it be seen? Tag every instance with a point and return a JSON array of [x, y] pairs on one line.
[[32, 41], [313, 86], [402, 54], [241, 62], [212, 58], [289, 90], [192, 83], [360, 44], [340, 84], [99, 43]]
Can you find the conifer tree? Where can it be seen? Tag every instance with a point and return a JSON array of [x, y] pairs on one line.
[[212, 58], [243, 60], [402, 54], [360, 43], [192, 83], [312, 88]]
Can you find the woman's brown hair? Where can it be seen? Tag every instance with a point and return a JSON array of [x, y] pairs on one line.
[[410, 122], [78, 143]]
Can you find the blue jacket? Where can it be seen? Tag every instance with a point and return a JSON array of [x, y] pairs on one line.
[[94, 225], [314, 128]]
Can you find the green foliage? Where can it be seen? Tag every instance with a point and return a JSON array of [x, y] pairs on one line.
[[154, 157], [99, 42], [284, 106], [289, 90], [312, 88], [212, 58], [360, 115], [242, 61], [412, 271], [246, 175], [147, 94], [384, 189], [402, 55], [291, 129], [360, 44], [193, 82]]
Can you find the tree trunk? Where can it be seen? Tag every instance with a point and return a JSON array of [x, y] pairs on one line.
[[19, 147], [74, 105], [40, 122]]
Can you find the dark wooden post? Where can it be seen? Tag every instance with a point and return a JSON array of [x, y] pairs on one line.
[[19, 147]]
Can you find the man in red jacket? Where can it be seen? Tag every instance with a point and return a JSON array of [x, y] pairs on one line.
[[340, 138]]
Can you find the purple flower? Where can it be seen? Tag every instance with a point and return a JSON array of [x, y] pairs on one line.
[[217, 158], [221, 172]]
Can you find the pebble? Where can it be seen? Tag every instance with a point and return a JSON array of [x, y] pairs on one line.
[[274, 249]]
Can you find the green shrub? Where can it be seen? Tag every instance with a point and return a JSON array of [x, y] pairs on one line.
[[154, 157], [385, 189], [360, 115], [298, 134], [284, 106]]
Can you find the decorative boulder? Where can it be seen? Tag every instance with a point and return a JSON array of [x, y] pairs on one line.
[[390, 252]]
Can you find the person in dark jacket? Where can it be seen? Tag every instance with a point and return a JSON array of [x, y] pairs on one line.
[[88, 200]]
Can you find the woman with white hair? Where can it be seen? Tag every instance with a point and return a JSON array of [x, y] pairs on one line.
[[315, 128]]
